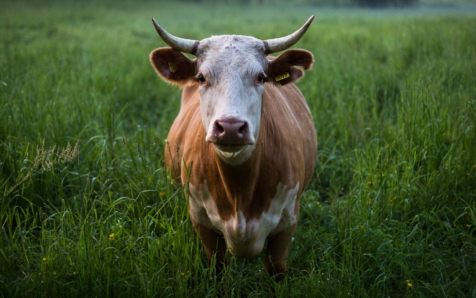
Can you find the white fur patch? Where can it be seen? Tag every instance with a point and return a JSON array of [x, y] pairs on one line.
[[245, 238]]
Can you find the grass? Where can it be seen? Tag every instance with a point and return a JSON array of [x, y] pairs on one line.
[[86, 206]]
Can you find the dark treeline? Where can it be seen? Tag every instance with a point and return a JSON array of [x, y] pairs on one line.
[[362, 3], [384, 3]]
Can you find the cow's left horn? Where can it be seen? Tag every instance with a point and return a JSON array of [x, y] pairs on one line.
[[283, 43], [181, 44]]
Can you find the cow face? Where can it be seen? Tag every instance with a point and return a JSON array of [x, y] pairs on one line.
[[231, 72]]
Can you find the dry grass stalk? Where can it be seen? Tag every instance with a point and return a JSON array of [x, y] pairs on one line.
[[47, 159]]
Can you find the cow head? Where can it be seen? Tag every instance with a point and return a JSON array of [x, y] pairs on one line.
[[231, 71]]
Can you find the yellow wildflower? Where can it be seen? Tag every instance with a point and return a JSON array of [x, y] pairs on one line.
[[111, 237]]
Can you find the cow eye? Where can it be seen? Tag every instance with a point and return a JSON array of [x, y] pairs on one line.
[[200, 78], [261, 78]]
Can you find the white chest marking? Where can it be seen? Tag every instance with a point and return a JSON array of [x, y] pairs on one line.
[[245, 238]]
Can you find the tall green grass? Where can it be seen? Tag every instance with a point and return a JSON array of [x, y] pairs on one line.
[[86, 206]]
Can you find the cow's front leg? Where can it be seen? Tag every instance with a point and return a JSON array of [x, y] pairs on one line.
[[214, 245], [277, 252]]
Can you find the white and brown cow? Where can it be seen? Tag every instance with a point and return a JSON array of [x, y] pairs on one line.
[[243, 144]]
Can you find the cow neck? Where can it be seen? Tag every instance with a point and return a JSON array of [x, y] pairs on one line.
[[238, 186]]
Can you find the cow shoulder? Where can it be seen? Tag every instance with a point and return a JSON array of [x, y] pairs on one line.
[[288, 133], [185, 132]]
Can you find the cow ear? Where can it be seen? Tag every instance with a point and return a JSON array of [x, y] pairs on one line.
[[173, 66], [289, 67]]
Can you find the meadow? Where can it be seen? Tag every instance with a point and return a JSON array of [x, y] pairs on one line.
[[87, 208]]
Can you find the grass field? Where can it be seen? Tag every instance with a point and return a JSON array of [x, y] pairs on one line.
[[87, 209]]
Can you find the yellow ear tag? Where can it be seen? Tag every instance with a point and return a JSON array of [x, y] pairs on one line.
[[282, 77], [172, 67]]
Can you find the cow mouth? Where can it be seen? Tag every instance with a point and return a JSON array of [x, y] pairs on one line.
[[230, 147], [233, 145]]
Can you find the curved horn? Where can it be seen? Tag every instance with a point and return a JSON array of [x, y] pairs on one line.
[[181, 44], [283, 43]]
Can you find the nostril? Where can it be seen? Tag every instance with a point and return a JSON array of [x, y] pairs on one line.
[[243, 129], [218, 128]]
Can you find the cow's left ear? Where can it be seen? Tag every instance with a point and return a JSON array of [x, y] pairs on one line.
[[173, 66], [289, 67]]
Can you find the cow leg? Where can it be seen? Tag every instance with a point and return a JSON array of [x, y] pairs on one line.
[[214, 245], [277, 252]]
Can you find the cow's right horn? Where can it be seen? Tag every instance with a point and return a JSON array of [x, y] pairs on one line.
[[181, 44], [283, 43]]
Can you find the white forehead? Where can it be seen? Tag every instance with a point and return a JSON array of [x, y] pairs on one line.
[[232, 52]]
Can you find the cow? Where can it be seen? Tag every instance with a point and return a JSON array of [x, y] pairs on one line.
[[243, 145]]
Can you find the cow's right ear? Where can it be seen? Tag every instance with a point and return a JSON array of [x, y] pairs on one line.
[[173, 66], [289, 66]]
